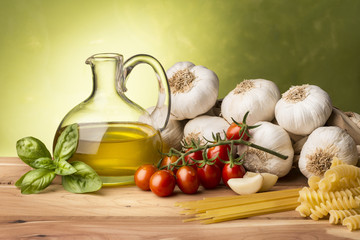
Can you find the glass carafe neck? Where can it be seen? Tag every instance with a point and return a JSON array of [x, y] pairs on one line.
[[107, 71]]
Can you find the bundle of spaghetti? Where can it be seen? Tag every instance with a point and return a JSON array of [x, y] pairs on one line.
[[337, 216], [219, 209]]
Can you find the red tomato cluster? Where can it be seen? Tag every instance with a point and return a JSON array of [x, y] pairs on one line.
[[193, 174]]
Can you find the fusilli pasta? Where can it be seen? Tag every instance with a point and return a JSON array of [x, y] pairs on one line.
[[337, 216], [352, 222]]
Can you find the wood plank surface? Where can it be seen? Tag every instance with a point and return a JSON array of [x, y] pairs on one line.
[[129, 213]]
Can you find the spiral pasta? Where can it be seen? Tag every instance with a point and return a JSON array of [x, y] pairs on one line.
[[336, 162], [344, 203], [352, 222], [342, 171], [336, 194], [313, 182], [316, 197], [340, 177], [337, 216]]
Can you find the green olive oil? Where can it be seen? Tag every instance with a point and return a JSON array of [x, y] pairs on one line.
[[116, 150]]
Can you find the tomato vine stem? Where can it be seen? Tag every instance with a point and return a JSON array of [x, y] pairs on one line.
[[196, 146]]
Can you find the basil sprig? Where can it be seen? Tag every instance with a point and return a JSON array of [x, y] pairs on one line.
[[77, 177]]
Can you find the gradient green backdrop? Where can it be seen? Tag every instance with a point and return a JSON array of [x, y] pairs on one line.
[[43, 46]]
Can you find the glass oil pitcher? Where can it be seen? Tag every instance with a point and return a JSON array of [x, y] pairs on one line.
[[116, 135]]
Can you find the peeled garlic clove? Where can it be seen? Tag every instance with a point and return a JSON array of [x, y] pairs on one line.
[[194, 90], [322, 145], [248, 185], [250, 174], [269, 180], [203, 127], [303, 108], [258, 96], [273, 137]]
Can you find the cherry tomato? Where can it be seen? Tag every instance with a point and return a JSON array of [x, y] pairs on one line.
[[210, 176], [221, 152], [162, 183], [187, 179], [195, 155], [233, 133], [237, 171], [142, 176], [166, 161]]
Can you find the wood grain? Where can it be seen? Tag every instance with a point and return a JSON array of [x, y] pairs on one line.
[[129, 213]]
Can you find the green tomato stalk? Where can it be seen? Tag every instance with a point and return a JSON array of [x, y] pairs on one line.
[[195, 146]]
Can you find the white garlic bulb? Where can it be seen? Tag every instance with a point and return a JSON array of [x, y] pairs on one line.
[[194, 90], [174, 130], [203, 127], [258, 96], [322, 145], [303, 109], [275, 138]]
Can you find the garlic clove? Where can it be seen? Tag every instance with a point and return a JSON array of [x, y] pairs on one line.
[[269, 180], [322, 145], [258, 96], [194, 90], [303, 108], [248, 185]]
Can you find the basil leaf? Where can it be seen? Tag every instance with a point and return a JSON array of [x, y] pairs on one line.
[[84, 180], [35, 181], [67, 143], [45, 162], [64, 168], [29, 149], [19, 182]]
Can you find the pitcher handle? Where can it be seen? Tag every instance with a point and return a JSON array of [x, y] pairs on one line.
[[164, 89]]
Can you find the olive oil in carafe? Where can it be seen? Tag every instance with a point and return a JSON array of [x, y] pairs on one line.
[[116, 150]]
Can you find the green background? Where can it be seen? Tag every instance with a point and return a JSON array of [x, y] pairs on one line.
[[44, 44]]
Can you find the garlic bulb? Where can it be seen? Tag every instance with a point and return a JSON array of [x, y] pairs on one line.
[[273, 137], [203, 127], [302, 109], [174, 130], [322, 145], [194, 90], [258, 96]]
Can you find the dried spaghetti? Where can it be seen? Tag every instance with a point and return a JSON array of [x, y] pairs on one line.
[[220, 209]]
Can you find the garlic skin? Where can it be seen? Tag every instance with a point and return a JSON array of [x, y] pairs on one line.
[[194, 90], [322, 145], [273, 137], [258, 96], [303, 108], [354, 117], [174, 130], [203, 127]]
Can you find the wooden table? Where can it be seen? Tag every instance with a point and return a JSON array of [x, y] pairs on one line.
[[129, 213]]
